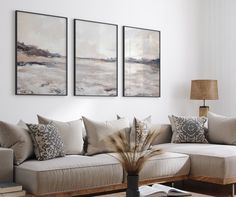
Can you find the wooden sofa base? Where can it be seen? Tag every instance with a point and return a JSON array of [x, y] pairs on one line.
[[123, 186], [219, 181], [110, 188]]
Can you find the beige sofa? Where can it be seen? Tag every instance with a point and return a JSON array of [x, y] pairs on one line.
[[79, 175]]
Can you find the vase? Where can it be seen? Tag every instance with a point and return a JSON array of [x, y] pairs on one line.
[[132, 186]]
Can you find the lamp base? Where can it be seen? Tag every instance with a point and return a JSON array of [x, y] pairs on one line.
[[203, 110]]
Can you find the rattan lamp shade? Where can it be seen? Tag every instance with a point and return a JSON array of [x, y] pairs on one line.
[[204, 90]]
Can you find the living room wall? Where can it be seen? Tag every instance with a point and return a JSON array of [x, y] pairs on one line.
[[218, 52], [179, 22]]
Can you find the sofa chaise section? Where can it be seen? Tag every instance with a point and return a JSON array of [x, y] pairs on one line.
[[70, 173], [209, 162], [166, 165]]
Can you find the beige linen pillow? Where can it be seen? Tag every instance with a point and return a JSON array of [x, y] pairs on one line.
[[98, 132], [17, 138], [70, 132], [221, 129]]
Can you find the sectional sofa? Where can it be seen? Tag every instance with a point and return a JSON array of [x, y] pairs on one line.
[[79, 174]]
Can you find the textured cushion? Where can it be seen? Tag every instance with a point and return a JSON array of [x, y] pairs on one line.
[[188, 129], [70, 132], [70, 173], [47, 142], [207, 160], [18, 139], [221, 129], [98, 132], [145, 124]]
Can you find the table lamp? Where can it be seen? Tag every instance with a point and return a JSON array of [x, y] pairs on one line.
[[204, 90]]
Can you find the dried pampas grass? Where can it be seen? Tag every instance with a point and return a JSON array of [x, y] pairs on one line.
[[133, 156]]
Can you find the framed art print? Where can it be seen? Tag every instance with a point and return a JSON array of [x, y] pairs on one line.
[[41, 54], [95, 58], [141, 62]]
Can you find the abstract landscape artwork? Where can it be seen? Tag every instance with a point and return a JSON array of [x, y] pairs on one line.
[[41, 54], [95, 58], [141, 62]]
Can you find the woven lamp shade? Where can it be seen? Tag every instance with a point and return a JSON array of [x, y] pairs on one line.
[[204, 90]]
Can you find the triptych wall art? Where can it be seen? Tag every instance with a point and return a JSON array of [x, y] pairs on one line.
[[41, 54], [95, 58], [41, 58], [141, 62]]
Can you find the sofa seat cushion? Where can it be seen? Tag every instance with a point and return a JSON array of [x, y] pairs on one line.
[[208, 160], [166, 164], [70, 173]]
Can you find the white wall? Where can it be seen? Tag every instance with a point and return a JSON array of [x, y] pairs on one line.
[[179, 23], [219, 52]]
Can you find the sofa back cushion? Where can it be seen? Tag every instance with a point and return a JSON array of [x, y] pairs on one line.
[[70, 132], [98, 132], [165, 133], [16, 137], [221, 129]]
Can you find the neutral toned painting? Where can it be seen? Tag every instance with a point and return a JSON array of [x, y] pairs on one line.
[[41, 54], [95, 58], [141, 62]]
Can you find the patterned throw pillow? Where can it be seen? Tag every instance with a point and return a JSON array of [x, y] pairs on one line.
[[47, 142], [139, 130], [188, 130]]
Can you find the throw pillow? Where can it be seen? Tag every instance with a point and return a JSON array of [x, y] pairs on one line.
[[164, 131], [47, 141], [16, 137], [98, 132], [221, 129], [70, 132], [118, 117], [188, 130], [145, 124]]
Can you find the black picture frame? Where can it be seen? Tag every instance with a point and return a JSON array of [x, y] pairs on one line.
[[139, 60], [59, 64], [111, 91]]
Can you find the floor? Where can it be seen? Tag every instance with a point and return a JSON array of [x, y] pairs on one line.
[[208, 189], [197, 189]]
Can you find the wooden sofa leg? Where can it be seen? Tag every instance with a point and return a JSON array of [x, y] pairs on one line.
[[233, 190]]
